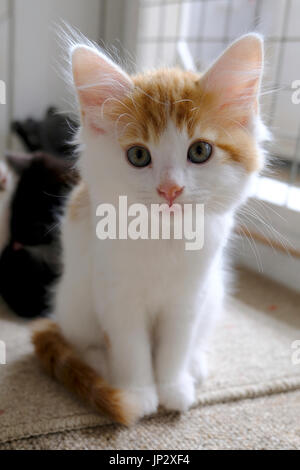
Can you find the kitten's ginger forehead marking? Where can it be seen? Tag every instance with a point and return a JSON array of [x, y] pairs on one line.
[[158, 96], [165, 94]]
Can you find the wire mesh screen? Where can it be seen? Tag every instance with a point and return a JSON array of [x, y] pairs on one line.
[[193, 32]]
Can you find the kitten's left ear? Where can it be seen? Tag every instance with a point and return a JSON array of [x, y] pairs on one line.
[[236, 75], [97, 79]]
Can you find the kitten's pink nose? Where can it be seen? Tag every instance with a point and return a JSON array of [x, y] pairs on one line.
[[170, 191]]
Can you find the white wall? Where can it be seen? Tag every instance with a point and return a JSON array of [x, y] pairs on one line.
[[4, 65], [36, 82], [29, 50]]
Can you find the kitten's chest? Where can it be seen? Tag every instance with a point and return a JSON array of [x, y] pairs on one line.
[[156, 271]]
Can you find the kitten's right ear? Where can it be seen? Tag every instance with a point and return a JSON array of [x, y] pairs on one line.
[[235, 77], [97, 80]]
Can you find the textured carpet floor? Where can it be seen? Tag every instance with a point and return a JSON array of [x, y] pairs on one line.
[[251, 399], [264, 423]]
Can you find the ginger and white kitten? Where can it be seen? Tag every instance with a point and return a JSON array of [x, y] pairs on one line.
[[7, 186], [139, 311]]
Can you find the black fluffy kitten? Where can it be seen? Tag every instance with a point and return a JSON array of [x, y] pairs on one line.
[[30, 263], [53, 134]]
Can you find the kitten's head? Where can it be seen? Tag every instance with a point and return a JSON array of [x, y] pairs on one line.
[[172, 135]]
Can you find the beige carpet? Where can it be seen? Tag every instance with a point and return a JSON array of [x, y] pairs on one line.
[[250, 400], [264, 423]]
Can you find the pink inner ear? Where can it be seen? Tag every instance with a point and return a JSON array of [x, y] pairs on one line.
[[243, 94], [97, 78], [235, 76]]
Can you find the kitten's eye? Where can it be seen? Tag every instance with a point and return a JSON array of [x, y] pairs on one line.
[[139, 156], [199, 152]]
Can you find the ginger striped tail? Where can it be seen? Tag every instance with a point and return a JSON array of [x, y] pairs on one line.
[[60, 360]]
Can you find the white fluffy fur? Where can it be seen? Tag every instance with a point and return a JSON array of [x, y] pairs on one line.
[[154, 301]]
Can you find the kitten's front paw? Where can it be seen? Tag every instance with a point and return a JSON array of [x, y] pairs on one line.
[[177, 396], [199, 368], [146, 400]]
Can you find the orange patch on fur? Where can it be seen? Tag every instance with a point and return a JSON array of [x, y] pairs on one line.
[[60, 360], [243, 151], [180, 95], [107, 341], [78, 201]]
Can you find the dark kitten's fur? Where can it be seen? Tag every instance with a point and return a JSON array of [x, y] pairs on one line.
[[30, 262], [53, 134]]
